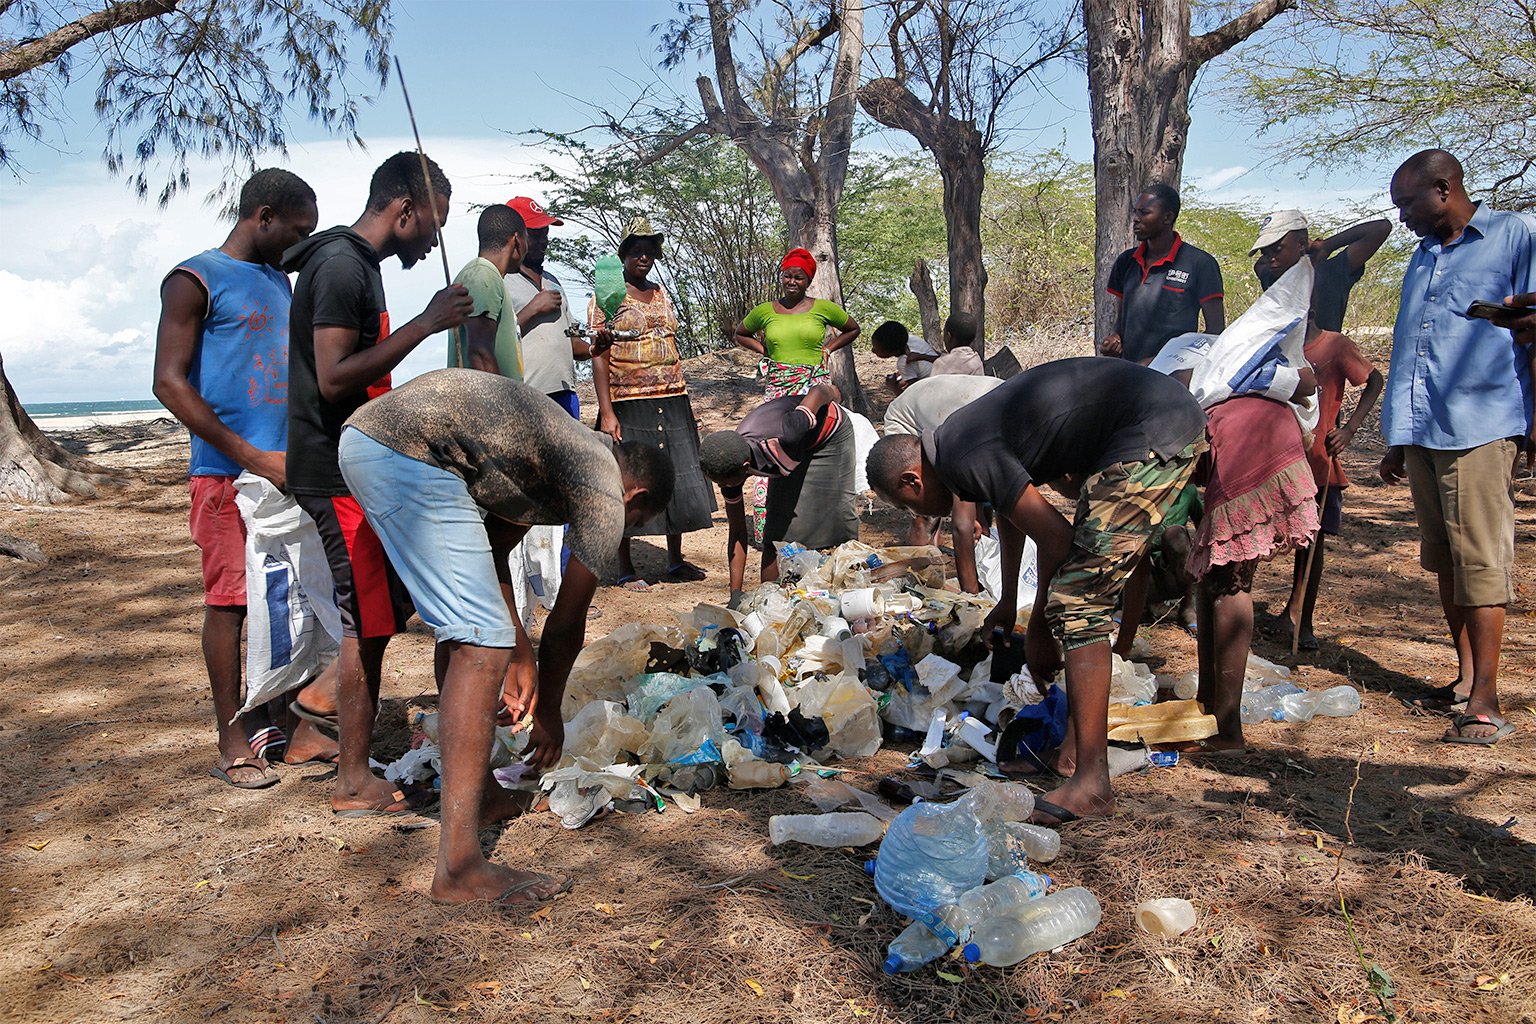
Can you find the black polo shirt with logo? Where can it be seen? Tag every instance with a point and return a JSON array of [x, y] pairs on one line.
[[1161, 301]]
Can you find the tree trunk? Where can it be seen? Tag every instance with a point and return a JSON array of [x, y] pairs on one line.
[[921, 283], [1141, 64], [33, 469], [960, 153], [808, 190]]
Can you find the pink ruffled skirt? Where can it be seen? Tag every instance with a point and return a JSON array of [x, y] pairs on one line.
[[1260, 495]]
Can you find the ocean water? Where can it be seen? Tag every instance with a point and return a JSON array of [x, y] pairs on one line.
[[44, 411]]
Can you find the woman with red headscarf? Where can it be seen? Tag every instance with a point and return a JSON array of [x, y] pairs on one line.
[[794, 326], [793, 345]]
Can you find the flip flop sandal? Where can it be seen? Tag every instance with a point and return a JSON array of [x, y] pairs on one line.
[[1206, 750], [625, 581], [687, 573], [528, 884], [262, 781], [327, 722], [1440, 698], [1501, 730], [269, 742], [399, 796], [1060, 813]]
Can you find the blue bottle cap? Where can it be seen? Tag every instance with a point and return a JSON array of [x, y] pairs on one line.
[[892, 964], [971, 952], [869, 866]]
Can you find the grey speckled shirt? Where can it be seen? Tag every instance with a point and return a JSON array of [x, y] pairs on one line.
[[522, 457]]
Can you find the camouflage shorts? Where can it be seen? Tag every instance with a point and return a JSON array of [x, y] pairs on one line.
[[1118, 511]]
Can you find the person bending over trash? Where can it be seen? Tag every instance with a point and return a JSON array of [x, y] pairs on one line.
[[804, 446], [451, 469], [1123, 440]]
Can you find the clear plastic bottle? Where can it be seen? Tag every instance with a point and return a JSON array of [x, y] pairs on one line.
[[1338, 702], [758, 775], [934, 741], [1034, 927], [931, 855], [1042, 844], [847, 828], [1005, 801], [915, 946], [999, 898], [1011, 845], [1263, 705]]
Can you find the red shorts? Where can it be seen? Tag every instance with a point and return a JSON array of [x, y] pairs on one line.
[[220, 532], [372, 600]]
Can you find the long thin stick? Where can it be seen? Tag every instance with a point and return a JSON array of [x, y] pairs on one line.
[[437, 226], [1306, 582]]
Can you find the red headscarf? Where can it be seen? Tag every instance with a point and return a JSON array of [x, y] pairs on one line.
[[802, 259]]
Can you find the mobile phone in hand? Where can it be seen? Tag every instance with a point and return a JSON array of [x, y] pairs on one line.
[[1488, 310]]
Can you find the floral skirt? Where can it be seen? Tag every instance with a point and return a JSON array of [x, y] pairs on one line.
[[1260, 495]]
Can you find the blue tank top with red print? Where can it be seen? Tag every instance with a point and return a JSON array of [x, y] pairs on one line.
[[240, 364]]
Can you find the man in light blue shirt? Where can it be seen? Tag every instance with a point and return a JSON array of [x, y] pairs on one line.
[[1457, 410]]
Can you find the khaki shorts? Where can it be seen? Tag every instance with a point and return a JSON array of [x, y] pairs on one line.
[[1465, 504], [1118, 510]]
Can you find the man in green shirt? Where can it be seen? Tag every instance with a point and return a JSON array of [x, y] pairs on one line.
[[489, 340]]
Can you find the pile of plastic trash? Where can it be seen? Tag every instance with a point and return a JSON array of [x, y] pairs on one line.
[[961, 871], [843, 652]]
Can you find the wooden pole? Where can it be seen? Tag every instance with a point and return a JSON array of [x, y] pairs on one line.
[[437, 225], [1306, 582]]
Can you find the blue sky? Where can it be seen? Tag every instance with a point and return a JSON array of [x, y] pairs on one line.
[[83, 296]]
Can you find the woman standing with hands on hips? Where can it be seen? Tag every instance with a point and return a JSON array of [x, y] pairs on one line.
[[794, 348], [641, 396]]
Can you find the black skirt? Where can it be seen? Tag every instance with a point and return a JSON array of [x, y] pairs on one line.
[[815, 505], [669, 424]]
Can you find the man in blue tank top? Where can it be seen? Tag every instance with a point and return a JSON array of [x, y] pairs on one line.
[[221, 366]]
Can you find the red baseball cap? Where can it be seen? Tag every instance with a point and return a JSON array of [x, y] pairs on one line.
[[533, 214]]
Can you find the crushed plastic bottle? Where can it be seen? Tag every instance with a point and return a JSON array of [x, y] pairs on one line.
[[1034, 927], [847, 828], [932, 854], [1040, 843], [915, 946], [999, 898], [1264, 705], [1337, 702], [934, 741], [758, 775]]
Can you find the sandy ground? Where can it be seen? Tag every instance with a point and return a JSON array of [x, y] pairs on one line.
[[1350, 870]]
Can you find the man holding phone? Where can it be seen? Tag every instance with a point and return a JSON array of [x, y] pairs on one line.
[[1457, 410]]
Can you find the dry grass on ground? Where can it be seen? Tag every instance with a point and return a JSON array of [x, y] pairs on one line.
[[137, 888]]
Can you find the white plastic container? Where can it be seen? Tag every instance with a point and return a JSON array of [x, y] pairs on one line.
[[1036, 926], [836, 627], [1165, 917], [934, 741], [845, 828], [863, 602], [770, 689], [974, 732]]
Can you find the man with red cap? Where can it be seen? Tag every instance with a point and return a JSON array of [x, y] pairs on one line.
[[543, 314]]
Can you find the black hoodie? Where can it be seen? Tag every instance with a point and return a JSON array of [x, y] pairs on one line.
[[339, 285]]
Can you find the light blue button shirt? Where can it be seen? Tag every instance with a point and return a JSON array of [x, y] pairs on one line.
[[1457, 382]]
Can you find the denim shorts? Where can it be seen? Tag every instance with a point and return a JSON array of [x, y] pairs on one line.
[[435, 536]]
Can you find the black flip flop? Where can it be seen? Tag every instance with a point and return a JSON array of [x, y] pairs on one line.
[[1501, 730], [330, 722], [1060, 813], [1439, 698], [262, 781]]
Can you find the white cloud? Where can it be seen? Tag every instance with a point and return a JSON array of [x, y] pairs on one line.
[[1216, 179], [80, 279]]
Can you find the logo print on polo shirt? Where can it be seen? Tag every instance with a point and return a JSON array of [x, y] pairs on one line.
[[1178, 277]]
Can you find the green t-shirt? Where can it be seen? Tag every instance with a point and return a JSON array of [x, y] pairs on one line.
[[795, 339], [489, 293]]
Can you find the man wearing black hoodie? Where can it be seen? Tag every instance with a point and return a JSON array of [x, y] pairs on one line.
[[341, 352]]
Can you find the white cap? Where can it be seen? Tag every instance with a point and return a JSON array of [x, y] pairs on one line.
[[1276, 226]]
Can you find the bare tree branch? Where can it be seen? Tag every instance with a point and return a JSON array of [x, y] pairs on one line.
[[19, 59], [1218, 41]]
